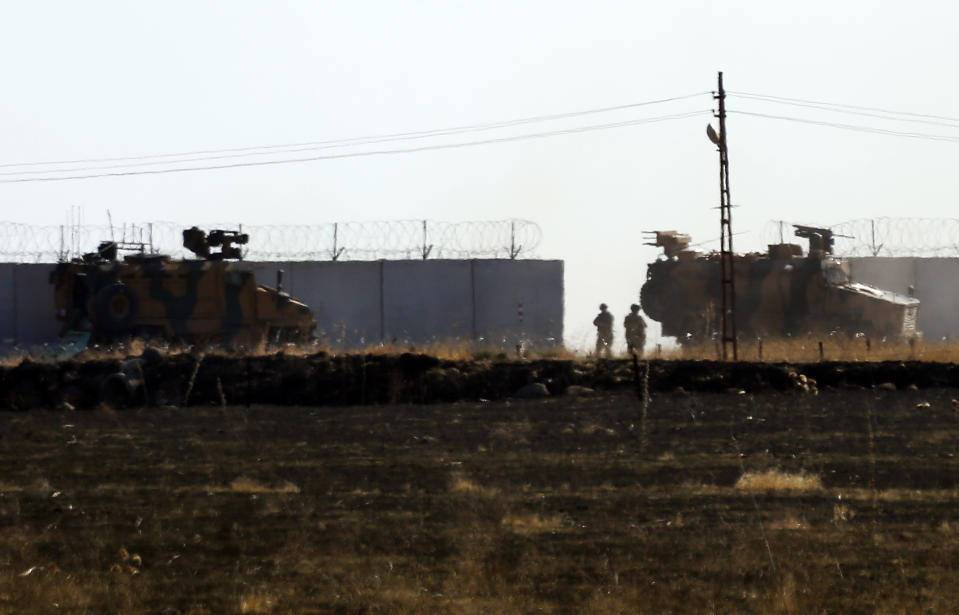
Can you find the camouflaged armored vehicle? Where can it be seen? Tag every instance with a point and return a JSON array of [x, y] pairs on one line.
[[207, 300], [778, 294]]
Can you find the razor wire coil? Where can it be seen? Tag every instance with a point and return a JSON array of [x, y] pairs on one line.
[[391, 240]]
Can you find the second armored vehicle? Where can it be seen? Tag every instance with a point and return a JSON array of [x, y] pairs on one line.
[[207, 300], [778, 294]]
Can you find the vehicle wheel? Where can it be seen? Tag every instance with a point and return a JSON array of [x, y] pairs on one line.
[[116, 308]]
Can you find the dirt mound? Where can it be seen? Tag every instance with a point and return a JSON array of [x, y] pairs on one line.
[[325, 379]]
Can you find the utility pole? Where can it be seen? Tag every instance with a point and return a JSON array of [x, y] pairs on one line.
[[727, 271]]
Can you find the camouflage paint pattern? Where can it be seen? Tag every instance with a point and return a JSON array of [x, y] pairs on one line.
[[188, 300], [778, 294]]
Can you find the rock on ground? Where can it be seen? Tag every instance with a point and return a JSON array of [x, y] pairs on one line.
[[536, 390]]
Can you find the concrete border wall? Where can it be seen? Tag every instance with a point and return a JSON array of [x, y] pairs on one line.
[[362, 303]]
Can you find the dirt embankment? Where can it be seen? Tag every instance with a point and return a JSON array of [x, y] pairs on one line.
[[323, 379]]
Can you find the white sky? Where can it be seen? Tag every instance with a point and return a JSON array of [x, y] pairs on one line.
[[102, 79]]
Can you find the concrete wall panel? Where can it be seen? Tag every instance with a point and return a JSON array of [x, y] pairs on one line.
[[8, 314], [345, 299], [936, 289], [427, 301], [505, 287], [888, 273], [36, 320]]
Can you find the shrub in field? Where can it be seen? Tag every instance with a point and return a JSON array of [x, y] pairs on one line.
[[244, 484], [777, 480]]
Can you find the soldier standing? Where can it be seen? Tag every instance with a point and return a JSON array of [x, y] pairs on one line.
[[635, 331], [604, 332]]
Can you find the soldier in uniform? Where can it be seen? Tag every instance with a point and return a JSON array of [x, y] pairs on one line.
[[635, 331], [604, 332]]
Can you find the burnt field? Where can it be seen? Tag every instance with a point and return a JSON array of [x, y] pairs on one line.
[[749, 500]]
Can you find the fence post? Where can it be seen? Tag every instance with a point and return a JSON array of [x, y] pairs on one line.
[[519, 320], [382, 304], [426, 247], [16, 308], [473, 299], [513, 248]]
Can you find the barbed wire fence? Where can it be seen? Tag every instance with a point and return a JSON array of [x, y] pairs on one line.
[[432, 239], [392, 240], [916, 237]]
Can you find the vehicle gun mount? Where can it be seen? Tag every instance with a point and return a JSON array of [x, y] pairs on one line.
[[107, 251], [671, 242], [201, 244], [821, 240]]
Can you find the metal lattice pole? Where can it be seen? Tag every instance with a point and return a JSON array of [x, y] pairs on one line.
[[727, 270]]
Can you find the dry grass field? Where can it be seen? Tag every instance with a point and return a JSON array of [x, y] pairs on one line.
[[842, 502], [834, 348], [789, 350]]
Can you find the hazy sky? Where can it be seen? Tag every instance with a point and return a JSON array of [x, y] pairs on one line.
[[107, 79]]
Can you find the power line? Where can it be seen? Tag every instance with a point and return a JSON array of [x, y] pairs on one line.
[[408, 150], [884, 115], [260, 150], [331, 145], [784, 99], [854, 127]]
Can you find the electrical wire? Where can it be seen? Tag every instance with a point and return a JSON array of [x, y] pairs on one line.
[[882, 116], [408, 150], [851, 108], [853, 127], [260, 150], [332, 145], [875, 115]]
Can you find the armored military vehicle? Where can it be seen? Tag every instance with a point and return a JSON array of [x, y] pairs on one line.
[[780, 293], [206, 300]]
